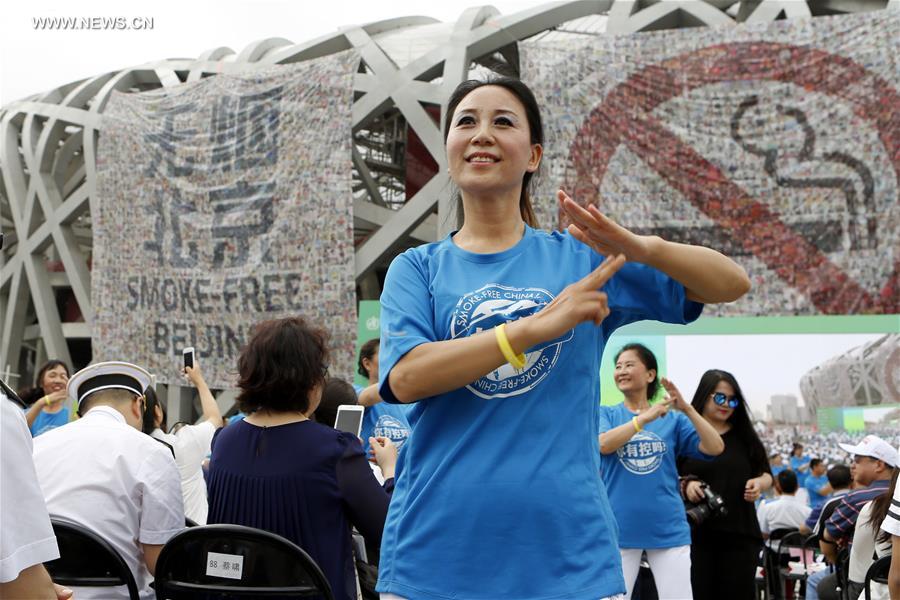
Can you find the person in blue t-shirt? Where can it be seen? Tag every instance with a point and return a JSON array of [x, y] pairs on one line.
[[799, 463], [640, 444], [47, 399], [817, 483], [496, 334], [380, 419]]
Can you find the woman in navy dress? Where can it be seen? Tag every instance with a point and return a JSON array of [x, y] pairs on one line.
[[279, 471]]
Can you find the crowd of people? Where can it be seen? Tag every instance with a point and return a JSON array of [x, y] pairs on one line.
[[487, 467]]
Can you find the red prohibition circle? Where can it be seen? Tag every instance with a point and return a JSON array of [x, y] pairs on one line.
[[625, 117]]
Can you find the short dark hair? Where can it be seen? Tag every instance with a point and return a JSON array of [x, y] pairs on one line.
[[367, 351], [109, 396], [649, 361], [282, 363], [814, 463], [839, 476], [31, 395], [335, 393], [787, 481]]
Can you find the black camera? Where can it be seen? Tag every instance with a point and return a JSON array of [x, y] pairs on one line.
[[712, 505]]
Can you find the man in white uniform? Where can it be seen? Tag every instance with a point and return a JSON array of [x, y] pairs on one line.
[[103, 473], [26, 537]]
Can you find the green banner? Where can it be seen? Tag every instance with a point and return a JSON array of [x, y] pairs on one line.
[[368, 327], [609, 393]]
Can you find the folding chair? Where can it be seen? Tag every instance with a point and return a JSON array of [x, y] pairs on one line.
[[88, 560], [235, 561], [878, 572], [793, 541], [772, 561]]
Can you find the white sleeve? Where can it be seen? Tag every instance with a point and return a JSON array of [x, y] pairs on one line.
[[195, 441], [162, 504], [26, 537], [762, 518], [891, 522]]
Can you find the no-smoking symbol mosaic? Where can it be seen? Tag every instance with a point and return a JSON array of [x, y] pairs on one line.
[[684, 147]]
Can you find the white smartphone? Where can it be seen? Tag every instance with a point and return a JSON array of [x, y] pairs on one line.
[[188, 356], [349, 418]]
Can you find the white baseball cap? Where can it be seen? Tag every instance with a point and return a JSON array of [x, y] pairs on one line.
[[874, 447]]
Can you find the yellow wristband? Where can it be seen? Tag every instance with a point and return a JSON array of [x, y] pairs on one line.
[[47, 400], [517, 361], [637, 427]]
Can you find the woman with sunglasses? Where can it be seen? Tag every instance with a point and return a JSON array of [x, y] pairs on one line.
[[725, 547], [639, 446]]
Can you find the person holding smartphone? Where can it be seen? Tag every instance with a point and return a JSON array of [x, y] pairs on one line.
[[279, 470], [496, 333], [190, 443]]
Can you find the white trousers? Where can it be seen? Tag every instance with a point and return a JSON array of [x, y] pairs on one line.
[[671, 570]]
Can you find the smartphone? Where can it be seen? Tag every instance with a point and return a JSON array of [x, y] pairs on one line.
[[188, 356], [349, 418]]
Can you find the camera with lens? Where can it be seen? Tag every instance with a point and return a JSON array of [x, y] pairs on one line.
[[711, 505]]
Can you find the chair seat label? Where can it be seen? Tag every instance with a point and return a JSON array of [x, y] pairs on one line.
[[224, 565]]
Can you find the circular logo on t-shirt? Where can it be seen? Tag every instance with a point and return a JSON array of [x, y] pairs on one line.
[[391, 428], [493, 305], [643, 453]]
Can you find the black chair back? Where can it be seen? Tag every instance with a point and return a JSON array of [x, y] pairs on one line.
[[878, 572], [236, 561], [86, 559]]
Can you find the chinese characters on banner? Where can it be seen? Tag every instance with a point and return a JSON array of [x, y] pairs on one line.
[[223, 203]]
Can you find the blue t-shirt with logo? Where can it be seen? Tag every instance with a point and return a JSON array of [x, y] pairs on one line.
[[813, 485], [645, 468], [497, 493], [45, 421], [384, 420]]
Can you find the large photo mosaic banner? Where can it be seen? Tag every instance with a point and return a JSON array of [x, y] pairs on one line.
[[223, 203], [775, 143]]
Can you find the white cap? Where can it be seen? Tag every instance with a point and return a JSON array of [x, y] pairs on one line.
[[874, 447], [105, 376]]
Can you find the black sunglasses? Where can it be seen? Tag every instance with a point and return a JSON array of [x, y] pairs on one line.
[[723, 400]]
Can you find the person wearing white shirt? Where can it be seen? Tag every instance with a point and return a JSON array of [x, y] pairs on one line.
[[190, 444], [866, 544], [26, 538], [103, 473], [891, 525], [785, 512]]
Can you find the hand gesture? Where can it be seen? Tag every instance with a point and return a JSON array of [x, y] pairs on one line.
[[656, 411], [55, 397], [193, 374], [678, 401], [592, 228], [384, 451], [694, 491], [752, 490], [578, 302]]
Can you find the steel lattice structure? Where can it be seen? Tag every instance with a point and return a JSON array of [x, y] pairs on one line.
[[865, 376], [408, 68]]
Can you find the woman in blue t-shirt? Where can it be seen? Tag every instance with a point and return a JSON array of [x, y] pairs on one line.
[[380, 419], [800, 463], [496, 333], [47, 400], [640, 444]]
